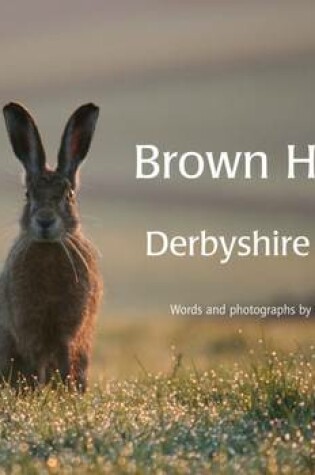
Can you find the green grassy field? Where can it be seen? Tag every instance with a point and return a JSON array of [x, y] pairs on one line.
[[240, 404]]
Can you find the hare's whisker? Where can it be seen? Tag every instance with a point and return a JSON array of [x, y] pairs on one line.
[[21, 247], [68, 255], [90, 244], [27, 246], [77, 251]]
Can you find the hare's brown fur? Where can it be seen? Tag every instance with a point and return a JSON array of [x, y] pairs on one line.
[[50, 286]]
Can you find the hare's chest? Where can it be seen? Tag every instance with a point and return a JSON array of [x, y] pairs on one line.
[[48, 296]]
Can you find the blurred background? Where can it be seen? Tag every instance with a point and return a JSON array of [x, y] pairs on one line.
[[229, 75]]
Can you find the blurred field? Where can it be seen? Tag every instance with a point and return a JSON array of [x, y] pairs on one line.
[[131, 347]]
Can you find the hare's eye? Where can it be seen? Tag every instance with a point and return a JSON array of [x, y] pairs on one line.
[[70, 194], [27, 195]]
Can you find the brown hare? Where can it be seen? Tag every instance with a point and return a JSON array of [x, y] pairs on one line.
[[50, 287]]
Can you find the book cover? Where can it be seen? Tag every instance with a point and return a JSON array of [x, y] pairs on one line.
[[165, 152]]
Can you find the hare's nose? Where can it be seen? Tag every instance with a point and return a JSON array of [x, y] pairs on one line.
[[45, 222]]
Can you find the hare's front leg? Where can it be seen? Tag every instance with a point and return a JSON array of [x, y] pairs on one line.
[[14, 369], [79, 369], [58, 367], [7, 353], [63, 363]]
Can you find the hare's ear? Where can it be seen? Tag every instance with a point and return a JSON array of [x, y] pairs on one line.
[[76, 140], [25, 138]]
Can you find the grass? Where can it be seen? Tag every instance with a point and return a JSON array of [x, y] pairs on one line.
[[258, 418], [207, 343]]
